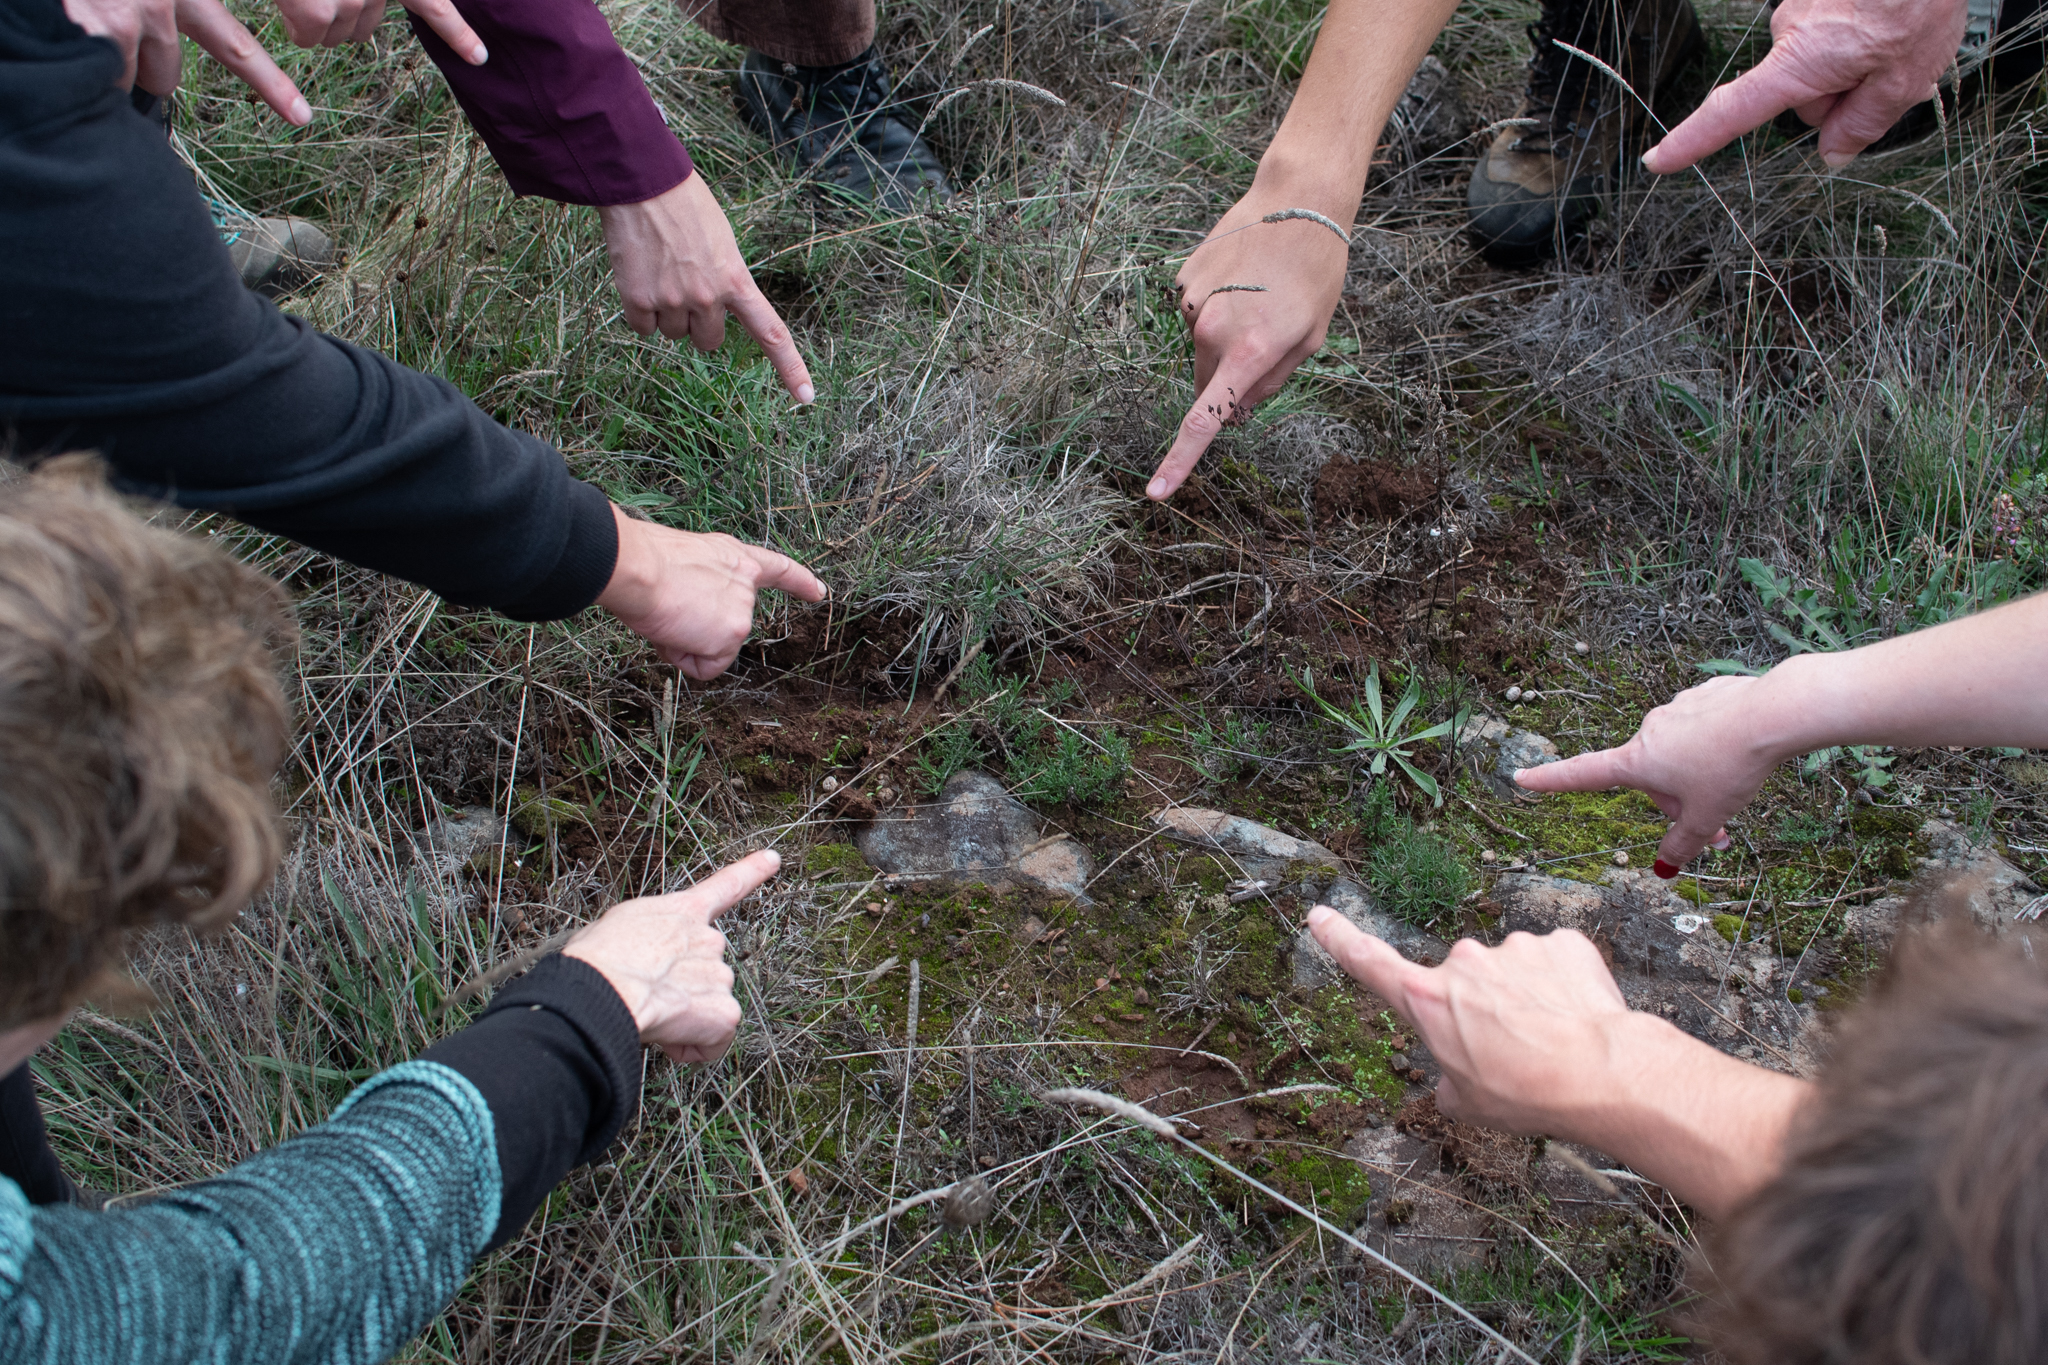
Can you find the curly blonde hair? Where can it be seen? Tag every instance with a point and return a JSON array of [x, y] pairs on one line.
[[140, 724]]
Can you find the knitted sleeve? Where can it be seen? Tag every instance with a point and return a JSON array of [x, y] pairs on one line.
[[335, 1247]]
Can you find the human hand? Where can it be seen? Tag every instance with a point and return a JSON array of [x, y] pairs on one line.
[[667, 963], [330, 23], [1850, 67], [146, 32], [691, 595], [1249, 340], [679, 272], [1523, 1032], [1701, 757]]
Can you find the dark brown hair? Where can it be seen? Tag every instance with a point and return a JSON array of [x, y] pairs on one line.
[[140, 725], [1910, 1223]]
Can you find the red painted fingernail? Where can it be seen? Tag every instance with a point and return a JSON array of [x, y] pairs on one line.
[[1664, 869]]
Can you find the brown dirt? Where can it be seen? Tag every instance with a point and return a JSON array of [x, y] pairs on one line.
[[1497, 1160], [1359, 489]]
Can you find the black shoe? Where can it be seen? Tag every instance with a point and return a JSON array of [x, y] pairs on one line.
[[1998, 55], [1541, 181], [842, 127]]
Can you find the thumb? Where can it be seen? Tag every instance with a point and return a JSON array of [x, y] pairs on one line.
[[728, 886], [1226, 398], [1367, 960], [453, 29]]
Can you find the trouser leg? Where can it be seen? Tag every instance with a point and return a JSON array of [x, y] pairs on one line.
[[25, 1155], [801, 32]]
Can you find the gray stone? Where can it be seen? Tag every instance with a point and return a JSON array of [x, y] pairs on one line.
[[1958, 875], [1264, 853], [975, 831], [1497, 749], [1315, 968]]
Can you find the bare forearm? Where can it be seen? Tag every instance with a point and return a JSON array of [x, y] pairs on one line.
[[1978, 681], [1363, 60], [1705, 1126]]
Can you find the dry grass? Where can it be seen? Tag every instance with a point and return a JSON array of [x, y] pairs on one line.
[[1833, 373]]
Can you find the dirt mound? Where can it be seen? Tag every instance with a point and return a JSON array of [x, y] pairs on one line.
[[1371, 489]]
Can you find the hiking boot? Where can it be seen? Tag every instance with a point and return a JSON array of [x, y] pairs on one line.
[[842, 128], [274, 255], [1541, 181]]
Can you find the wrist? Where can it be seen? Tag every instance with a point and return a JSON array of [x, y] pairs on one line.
[[1797, 708], [633, 573], [1306, 179], [634, 993]]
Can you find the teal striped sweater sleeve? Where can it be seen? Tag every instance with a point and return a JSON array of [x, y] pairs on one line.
[[336, 1246]]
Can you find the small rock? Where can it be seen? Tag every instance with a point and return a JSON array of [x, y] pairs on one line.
[[1582, 648], [1033, 930], [885, 796], [1262, 851], [736, 782], [1532, 695], [1098, 1019], [976, 832], [875, 908], [830, 784], [1488, 856], [1513, 694], [1101, 983], [1497, 750], [799, 1182], [1142, 996], [1314, 968], [1621, 857], [1399, 1061]]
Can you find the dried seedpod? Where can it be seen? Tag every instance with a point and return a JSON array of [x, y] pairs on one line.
[[968, 1203]]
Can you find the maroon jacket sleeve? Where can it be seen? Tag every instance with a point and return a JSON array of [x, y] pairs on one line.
[[560, 105]]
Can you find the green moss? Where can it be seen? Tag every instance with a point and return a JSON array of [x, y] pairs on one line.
[[1796, 996], [821, 858], [1729, 927], [1885, 822], [1690, 890]]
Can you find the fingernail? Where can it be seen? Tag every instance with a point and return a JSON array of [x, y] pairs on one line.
[[772, 856], [302, 112], [1648, 165], [1723, 844], [806, 393], [1156, 489], [478, 55], [1837, 160], [1664, 870]]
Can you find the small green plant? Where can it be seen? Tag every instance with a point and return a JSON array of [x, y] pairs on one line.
[[1417, 875], [1867, 762], [1376, 732], [1043, 759]]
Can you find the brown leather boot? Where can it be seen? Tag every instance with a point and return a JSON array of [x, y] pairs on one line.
[[275, 255], [1540, 182]]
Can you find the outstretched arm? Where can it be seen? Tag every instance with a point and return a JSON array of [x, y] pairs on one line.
[[1703, 755], [1289, 274], [1534, 1037]]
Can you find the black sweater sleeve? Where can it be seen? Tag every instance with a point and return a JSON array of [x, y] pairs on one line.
[[557, 1058], [124, 328]]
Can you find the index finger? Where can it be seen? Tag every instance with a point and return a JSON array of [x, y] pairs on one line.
[[1592, 772], [1749, 101], [778, 570], [441, 16], [208, 23], [1367, 960], [766, 326], [1219, 403], [728, 886]]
